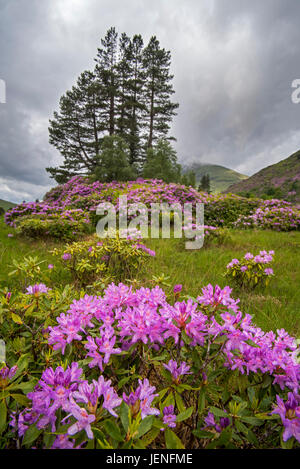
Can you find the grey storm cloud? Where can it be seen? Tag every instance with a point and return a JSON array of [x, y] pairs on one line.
[[233, 64]]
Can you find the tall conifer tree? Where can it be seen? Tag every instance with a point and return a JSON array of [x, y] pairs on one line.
[[128, 95]]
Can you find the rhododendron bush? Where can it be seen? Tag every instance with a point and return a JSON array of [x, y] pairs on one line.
[[108, 259], [251, 271], [144, 369], [69, 209], [100, 355]]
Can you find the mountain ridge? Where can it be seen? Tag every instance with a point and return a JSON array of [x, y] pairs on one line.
[[6, 204], [279, 180], [221, 177]]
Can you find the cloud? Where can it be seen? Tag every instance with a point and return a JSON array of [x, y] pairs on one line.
[[233, 63]]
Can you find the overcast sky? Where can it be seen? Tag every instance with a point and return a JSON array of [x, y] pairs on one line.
[[233, 61]]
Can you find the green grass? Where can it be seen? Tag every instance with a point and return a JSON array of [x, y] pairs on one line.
[[277, 306]]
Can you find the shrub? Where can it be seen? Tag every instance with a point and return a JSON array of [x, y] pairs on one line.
[[93, 260], [273, 215], [251, 271], [66, 225], [130, 370], [212, 235], [224, 210]]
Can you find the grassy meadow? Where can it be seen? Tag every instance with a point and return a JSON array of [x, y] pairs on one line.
[[277, 306]]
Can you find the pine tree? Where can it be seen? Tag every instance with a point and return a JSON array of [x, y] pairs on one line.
[[137, 105], [113, 161], [205, 184], [158, 90], [106, 71], [127, 95], [131, 94], [75, 129]]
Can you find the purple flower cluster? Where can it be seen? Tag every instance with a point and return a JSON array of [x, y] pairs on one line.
[[274, 214], [125, 317], [289, 413], [80, 194], [6, 374], [177, 370], [169, 417], [66, 391], [37, 289], [141, 399], [251, 269], [211, 424]]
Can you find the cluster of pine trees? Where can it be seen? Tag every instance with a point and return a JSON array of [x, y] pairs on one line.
[[205, 184], [114, 123]]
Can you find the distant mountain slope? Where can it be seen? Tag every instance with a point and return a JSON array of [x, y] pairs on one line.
[[220, 177], [6, 205], [280, 180]]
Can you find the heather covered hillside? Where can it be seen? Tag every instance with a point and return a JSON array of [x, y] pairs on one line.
[[280, 180]]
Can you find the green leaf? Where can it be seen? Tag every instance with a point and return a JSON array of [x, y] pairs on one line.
[[186, 339], [31, 435], [253, 344], [172, 440], [22, 364], [16, 318], [252, 420], [218, 412], [168, 401], [21, 399], [124, 414], [201, 400], [113, 430], [179, 402], [266, 416], [223, 440], [145, 426], [202, 434], [151, 435], [3, 416], [185, 415]]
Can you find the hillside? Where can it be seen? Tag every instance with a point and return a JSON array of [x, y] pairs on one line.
[[6, 205], [280, 180], [220, 176]]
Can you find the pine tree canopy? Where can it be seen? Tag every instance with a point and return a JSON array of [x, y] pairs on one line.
[[127, 95]]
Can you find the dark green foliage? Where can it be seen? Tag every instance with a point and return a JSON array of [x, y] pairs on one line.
[[205, 184], [158, 90], [225, 211], [128, 94], [162, 163], [189, 179], [113, 161]]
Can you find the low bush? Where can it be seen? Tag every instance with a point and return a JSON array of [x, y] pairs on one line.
[[103, 260], [251, 271], [67, 225]]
